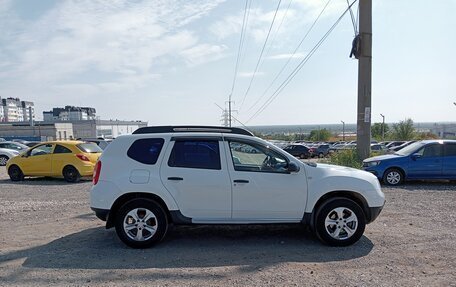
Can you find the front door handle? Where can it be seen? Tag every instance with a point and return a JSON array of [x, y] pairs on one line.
[[240, 181], [175, 178]]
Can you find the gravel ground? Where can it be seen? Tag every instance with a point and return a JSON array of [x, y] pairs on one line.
[[49, 236]]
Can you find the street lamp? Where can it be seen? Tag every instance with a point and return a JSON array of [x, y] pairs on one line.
[[383, 127], [343, 130]]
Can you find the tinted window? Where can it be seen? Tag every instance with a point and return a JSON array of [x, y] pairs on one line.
[[89, 147], [146, 150], [431, 150], [450, 149], [61, 149], [195, 154]]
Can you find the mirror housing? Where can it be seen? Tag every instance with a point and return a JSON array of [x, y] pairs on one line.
[[293, 167], [416, 156]]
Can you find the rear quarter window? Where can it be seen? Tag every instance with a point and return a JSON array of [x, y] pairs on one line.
[[146, 150], [89, 147]]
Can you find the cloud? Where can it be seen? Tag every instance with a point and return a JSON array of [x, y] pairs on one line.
[[76, 43], [249, 74], [286, 56], [203, 53]]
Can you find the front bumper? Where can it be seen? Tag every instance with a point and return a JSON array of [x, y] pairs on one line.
[[374, 212]]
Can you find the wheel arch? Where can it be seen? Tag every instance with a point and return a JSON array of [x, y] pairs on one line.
[[356, 197], [400, 169], [135, 195]]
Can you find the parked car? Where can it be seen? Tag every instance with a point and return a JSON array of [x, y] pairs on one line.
[[13, 146], [31, 144], [298, 150], [196, 175], [21, 141], [379, 148], [102, 143], [394, 144], [2, 139], [6, 154], [431, 159], [321, 150], [399, 147], [70, 159]]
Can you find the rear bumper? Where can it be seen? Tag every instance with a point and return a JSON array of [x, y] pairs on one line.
[[101, 213]]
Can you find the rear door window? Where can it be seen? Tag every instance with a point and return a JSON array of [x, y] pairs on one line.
[[450, 149], [146, 150], [61, 149], [202, 154]]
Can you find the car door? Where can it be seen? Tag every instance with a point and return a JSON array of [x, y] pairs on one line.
[[427, 162], [61, 156], [449, 160], [38, 160], [263, 189], [196, 175]]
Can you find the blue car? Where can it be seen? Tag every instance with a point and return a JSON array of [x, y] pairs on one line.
[[431, 159]]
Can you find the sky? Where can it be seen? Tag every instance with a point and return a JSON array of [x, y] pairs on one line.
[[172, 61]]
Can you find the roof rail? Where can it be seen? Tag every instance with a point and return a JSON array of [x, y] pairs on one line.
[[189, 129]]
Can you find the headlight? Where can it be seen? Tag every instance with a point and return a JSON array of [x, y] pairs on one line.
[[372, 163]]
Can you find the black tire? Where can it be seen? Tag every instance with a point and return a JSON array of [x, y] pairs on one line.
[[15, 173], [393, 177], [71, 174], [303, 156], [3, 160], [326, 210], [141, 205], [321, 155]]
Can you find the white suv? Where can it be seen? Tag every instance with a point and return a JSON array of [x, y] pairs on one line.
[[214, 175]]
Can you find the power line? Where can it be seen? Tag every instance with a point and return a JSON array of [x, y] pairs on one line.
[[261, 54], [276, 32], [241, 40], [298, 67], [290, 58]]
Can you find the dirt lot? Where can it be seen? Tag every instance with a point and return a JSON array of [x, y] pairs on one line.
[[49, 236]]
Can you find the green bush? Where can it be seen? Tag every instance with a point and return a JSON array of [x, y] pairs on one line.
[[346, 158]]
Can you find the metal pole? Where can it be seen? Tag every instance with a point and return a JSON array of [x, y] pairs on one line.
[[229, 111], [383, 127], [364, 80], [343, 130]]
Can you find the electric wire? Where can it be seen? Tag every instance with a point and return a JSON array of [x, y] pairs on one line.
[[290, 58], [276, 32], [241, 40], [261, 55], [298, 67], [352, 18]]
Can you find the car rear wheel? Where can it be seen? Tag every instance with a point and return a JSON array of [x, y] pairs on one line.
[[303, 156], [393, 176], [71, 174], [15, 173], [3, 160], [340, 222], [141, 223]]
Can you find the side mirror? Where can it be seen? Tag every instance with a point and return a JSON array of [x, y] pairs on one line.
[[415, 156], [293, 167]]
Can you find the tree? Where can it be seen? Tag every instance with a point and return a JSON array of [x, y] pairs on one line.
[[377, 131], [320, 135], [404, 130]]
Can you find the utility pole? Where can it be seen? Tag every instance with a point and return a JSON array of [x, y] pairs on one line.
[[363, 129], [343, 130], [383, 127]]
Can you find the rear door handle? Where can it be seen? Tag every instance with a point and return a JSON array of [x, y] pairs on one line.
[[175, 178], [240, 181]]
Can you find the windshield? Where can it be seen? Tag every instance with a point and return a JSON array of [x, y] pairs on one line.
[[408, 150]]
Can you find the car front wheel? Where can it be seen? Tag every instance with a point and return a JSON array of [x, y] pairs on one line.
[[393, 176], [15, 173], [340, 222], [141, 223]]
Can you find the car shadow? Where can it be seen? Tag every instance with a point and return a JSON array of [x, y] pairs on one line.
[[43, 181], [418, 185], [248, 247]]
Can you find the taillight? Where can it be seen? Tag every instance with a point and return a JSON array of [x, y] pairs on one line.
[[96, 173], [82, 157]]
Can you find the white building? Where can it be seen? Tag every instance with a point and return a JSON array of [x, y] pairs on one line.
[[15, 110], [70, 113]]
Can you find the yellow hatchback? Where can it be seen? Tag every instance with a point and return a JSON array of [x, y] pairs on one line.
[[70, 159]]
